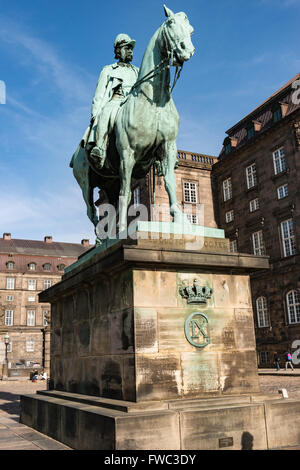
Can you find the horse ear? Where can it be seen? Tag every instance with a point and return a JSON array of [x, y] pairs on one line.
[[169, 13]]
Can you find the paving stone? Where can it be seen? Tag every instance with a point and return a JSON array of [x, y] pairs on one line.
[[29, 434], [13, 434], [22, 445], [6, 434], [18, 426], [48, 444]]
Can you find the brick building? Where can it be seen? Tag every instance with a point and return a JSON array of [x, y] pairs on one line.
[[257, 202], [193, 187], [26, 268]]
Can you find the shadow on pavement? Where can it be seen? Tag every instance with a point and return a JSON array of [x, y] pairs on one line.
[[10, 403]]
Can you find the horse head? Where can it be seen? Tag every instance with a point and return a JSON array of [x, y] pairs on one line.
[[177, 32]]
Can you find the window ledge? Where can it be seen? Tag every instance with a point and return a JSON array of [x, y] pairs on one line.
[[253, 188], [281, 174], [254, 212]]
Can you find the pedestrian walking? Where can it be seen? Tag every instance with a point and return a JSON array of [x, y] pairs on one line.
[[288, 360], [276, 360]]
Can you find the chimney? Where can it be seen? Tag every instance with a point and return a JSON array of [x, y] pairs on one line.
[[85, 242], [48, 239], [7, 236]]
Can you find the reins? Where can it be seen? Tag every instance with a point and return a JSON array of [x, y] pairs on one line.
[[164, 64]]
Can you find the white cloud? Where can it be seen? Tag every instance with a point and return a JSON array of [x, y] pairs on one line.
[[60, 213], [50, 203], [71, 81]]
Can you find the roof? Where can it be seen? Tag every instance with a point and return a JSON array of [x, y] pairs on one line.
[[271, 98], [36, 247], [263, 114]]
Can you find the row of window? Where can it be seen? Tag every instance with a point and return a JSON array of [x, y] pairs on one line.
[[251, 176], [287, 239], [190, 191], [30, 298], [30, 318], [292, 304], [31, 283], [32, 266], [253, 206], [29, 346]]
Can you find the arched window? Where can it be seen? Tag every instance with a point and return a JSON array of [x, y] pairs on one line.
[[47, 266], [293, 306], [32, 266], [61, 267], [10, 265], [262, 312]]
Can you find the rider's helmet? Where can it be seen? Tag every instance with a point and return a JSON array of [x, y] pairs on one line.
[[122, 40]]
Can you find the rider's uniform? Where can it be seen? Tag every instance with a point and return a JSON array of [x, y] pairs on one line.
[[114, 85]]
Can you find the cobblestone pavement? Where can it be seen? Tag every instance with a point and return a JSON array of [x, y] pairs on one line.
[[13, 434], [16, 436]]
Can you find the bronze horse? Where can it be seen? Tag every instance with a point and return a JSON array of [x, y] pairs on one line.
[[145, 129]]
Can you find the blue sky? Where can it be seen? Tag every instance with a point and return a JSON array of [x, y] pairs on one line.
[[51, 53]]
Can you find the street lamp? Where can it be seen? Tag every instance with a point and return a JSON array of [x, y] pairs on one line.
[[5, 369]]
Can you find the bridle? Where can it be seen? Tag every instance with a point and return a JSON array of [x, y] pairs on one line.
[[164, 64]]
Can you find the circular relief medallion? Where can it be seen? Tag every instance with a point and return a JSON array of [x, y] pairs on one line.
[[196, 329]]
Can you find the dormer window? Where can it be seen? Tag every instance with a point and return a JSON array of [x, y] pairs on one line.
[[32, 266], [250, 132], [61, 267], [279, 110], [228, 148], [277, 114], [229, 143], [47, 267], [10, 265]]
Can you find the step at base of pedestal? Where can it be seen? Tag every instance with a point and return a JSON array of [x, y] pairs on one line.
[[233, 422]]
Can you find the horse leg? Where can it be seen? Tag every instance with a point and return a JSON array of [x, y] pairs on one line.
[[168, 166], [127, 162], [81, 172], [87, 193]]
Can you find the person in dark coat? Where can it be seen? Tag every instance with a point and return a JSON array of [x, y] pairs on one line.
[[276, 360]]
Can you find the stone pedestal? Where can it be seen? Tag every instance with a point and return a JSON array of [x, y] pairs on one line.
[[136, 364]]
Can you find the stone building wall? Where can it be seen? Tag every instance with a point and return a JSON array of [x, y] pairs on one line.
[[278, 333]]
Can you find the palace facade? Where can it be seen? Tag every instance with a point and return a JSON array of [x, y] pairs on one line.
[[28, 267]]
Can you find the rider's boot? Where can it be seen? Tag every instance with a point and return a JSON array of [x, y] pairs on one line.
[[98, 156]]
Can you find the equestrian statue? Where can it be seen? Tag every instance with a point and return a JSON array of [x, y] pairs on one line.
[[134, 123]]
